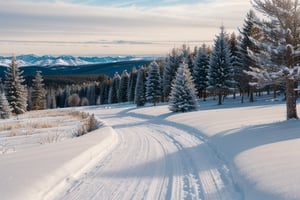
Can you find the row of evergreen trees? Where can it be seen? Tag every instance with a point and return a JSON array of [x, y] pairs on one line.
[[14, 94]]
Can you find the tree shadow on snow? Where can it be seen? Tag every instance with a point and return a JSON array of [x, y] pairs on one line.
[[237, 141]]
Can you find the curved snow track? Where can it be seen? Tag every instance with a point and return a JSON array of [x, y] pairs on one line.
[[154, 159]]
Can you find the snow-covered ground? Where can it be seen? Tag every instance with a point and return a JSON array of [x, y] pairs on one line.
[[234, 151]]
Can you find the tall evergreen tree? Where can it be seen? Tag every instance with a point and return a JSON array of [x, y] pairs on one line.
[[66, 95], [153, 84], [278, 59], [187, 57], [220, 72], [91, 93], [183, 93], [249, 30], [200, 71], [123, 90], [132, 84], [172, 63], [114, 89], [104, 90], [140, 89], [5, 110], [15, 90], [38, 93], [51, 98], [235, 59]]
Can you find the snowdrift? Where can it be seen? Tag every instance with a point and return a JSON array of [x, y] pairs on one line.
[[40, 172]]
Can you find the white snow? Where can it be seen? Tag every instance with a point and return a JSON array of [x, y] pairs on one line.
[[234, 151]]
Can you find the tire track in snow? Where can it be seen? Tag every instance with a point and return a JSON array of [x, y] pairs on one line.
[[190, 181], [153, 161]]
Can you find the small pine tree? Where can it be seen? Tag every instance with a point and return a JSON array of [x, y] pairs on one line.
[[15, 90], [139, 94], [38, 93], [183, 93], [153, 84], [5, 110]]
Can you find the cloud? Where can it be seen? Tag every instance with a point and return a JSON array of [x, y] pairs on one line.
[[70, 21]]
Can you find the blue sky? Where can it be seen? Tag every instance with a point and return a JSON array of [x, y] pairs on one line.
[[114, 27]]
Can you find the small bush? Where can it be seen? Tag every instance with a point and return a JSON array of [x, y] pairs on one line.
[[92, 123], [84, 102], [89, 124], [74, 100]]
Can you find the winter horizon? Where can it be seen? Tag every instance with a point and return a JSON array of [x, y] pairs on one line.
[[72, 27]]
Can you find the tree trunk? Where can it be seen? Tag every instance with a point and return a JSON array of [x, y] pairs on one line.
[[251, 94], [220, 98], [291, 106], [204, 95], [242, 96], [275, 94]]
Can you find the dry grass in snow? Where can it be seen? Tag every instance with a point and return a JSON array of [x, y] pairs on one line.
[[41, 127]]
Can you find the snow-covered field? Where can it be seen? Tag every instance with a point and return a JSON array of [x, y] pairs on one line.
[[234, 151]]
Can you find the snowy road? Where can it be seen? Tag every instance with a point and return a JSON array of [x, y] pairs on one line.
[[154, 159]]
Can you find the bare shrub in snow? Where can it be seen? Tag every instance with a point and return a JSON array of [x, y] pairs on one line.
[[84, 102], [89, 123], [74, 100], [50, 138]]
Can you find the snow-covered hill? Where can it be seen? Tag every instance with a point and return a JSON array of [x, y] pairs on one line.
[[234, 151], [66, 60]]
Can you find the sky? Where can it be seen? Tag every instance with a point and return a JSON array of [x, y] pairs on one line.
[[114, 27]]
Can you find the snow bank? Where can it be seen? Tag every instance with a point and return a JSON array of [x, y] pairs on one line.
[[39, 172], [259, 146], [273, 165]]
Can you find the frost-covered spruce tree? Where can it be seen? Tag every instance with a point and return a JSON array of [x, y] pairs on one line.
[[248, 31], [172, 63], [183, 93], [104, 91], [15, 90], [235, 60], [200, 71], [140, 89], [91, 93], [38, 93], [123, 90], [278, 59], [153, 84], [114, 89], [187, 57], [5, 110], [132, 84], [220, 72]]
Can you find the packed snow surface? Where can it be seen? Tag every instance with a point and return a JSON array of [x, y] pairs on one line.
[[234, 151]]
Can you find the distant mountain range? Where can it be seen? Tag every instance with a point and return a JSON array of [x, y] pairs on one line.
[[66, 60], [71, 65]]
